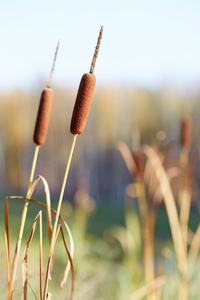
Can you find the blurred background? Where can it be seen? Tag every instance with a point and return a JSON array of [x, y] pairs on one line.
[[147, 73]]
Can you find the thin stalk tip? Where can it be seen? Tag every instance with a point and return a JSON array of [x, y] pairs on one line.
[[52, 70], [96, 51]]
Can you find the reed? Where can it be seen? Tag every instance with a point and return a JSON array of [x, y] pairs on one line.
[[146, 205], [40, 133], [78, 122], [184, 197], [153, 185]]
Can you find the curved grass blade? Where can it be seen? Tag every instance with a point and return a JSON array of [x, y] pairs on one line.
[[128, 158], [25, 256], [71, 252], [48, 201], [7, 240], [169, 203], [194, 250], [68, 267]]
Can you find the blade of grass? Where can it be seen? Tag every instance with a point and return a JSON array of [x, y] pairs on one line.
[[25, 256], [149, 288], [170, 205], [72, 267], [194, 250], [41, 238], [48, 201], [7, 241], [128, 158]]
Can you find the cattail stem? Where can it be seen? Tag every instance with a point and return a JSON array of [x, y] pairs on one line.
[[57, 215], [33, 169], [96, 51], [185, 203], [147, 235], [23, 219], [62, 192]]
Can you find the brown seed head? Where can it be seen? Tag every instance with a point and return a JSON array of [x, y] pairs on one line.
[[82, 103], [186, 132], [43, 116]]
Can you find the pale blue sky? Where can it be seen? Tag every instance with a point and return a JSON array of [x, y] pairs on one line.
[[146, 43]]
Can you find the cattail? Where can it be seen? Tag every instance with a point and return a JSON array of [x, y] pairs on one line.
[[84, 95], [139, 162], [82, 104], [44, 110], [43, 116], [186, 132]]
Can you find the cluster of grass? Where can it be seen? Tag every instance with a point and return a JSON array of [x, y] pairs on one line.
[[101, 271]]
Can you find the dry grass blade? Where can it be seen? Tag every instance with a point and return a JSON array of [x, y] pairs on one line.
[[71, 264], [71, 252], [147, 289], [194, 250], [47, 277], [48, 201], [25, 256], [22, 224], [54, 213], [41, 235], [128, 158], [59, 228], [31, 291], [169, 203], [7, 240]]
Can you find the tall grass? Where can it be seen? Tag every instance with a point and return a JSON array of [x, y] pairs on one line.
[[152, 186]]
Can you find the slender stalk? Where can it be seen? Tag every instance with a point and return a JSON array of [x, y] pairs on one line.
[[62, 192], [33, 169], [53, 66], [57, 215], [148, 249], [21, 230], [184, 202]]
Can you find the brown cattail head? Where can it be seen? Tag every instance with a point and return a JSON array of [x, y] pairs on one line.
[[43, 116], [186, 132], [82, 103], [139, 162]]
